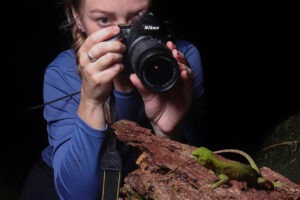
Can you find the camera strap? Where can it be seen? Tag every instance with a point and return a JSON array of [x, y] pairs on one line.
[[111, 162]]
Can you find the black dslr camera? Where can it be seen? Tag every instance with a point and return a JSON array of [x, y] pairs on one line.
[[147, 54]]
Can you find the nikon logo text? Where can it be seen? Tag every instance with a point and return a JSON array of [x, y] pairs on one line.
[[149, 27]]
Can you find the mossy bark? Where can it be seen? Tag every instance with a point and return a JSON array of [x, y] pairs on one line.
[[167, 171], [280, 150]]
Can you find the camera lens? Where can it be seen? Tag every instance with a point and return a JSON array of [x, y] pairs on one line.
[[158, 73], [154, 64]]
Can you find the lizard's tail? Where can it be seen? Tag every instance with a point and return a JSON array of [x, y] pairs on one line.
[[242, 153]]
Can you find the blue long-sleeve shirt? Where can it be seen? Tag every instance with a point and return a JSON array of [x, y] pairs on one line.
[[75, 147]]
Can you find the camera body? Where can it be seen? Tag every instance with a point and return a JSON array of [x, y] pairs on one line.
[[147, 54]]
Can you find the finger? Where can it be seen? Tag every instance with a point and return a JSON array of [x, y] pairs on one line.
[[102, 48], [185, 68], [99, 36], [94, 38], [107, 75], [146, 94], [102, 63], [179, 57], [186, 73], [90, 57], [171, 45], [107, 60], [138, 84]]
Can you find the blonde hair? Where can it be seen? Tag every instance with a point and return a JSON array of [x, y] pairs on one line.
[[69, 24]]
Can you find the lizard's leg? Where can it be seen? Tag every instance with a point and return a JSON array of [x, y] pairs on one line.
[[277, 185], [268, 184], [223, 178]]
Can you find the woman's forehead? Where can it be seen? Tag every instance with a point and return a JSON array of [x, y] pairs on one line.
[[115, 5]]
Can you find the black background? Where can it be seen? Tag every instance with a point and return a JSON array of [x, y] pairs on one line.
[[250, 57]]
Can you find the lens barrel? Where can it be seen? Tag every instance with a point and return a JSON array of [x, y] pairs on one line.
[[154, 64]]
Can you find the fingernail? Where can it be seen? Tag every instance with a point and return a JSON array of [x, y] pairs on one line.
[[116, 29]]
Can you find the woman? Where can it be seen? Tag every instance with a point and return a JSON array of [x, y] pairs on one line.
[[94, 66]]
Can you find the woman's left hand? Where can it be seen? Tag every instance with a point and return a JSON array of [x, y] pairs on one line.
[[166, 109]]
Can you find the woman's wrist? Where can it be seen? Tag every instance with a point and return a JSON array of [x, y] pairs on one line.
[[92, 114]]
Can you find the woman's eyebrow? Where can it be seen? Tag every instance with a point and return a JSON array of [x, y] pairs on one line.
[[101, 11], [130, 12]]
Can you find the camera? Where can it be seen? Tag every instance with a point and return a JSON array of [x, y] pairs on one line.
[[147, 54]]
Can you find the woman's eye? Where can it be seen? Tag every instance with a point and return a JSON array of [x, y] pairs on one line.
[[103, 20]]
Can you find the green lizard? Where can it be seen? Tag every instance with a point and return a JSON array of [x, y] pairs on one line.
[[232, 170]]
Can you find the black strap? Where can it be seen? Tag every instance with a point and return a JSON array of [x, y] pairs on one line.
[[112, 167], [111, 162]]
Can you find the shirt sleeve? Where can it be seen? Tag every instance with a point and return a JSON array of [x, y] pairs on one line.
[[193, 56], [194, 125], [75, 146], [127, 105]]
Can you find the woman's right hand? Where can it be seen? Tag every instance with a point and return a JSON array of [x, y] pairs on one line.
[[97, 74]]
